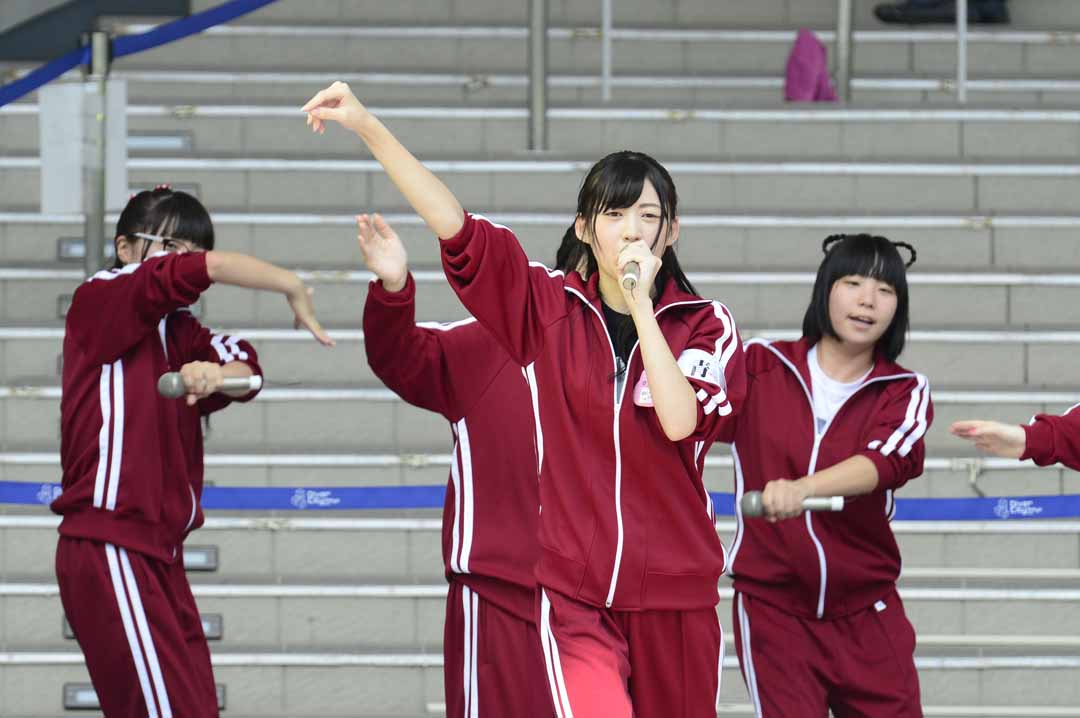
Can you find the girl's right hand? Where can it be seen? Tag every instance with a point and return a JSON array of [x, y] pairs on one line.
[[304, 310], [337, 103], [1006, 440], [384, 254]]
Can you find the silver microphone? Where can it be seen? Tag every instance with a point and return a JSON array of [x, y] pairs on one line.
[[630, 276], [753, 506], [171, 385]]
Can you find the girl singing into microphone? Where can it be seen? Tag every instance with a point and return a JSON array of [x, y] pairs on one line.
[[818, 623], [633, 384]]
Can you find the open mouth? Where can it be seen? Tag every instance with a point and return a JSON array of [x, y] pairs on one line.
[[862, 320]]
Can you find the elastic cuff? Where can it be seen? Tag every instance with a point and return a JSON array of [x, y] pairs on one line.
[[1039, 442], [406, 295], [459, 241]]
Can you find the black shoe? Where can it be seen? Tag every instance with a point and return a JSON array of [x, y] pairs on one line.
[[923, 12]]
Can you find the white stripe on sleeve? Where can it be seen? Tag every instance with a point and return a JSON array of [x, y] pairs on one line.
[[909, 417]]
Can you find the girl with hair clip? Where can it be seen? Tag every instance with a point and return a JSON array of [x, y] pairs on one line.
[[633, 384], [818, 622], [1046, 440], [133, 461]]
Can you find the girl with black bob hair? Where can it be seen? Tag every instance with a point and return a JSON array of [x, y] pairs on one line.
[[862, 255], [819, 624], [630, 386]]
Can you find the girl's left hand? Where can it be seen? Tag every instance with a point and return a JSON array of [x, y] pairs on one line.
[[649, 264]]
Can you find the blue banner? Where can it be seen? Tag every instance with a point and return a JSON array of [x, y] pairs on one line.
[[354, 498]]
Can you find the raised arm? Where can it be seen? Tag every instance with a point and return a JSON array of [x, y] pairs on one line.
[[483, 261], [425, 192], [411, 361]]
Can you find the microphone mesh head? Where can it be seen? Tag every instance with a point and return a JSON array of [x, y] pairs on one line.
[[170, 385], [752, 505]]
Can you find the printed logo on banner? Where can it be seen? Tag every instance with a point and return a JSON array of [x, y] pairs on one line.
[[1010, 508], [304, 498], [48, 493]]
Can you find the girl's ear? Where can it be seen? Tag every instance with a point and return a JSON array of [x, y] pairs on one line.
[[125, 249], [580, 229], [672, 233]]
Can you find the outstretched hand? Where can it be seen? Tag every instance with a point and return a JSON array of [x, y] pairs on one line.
[[383, 252], [304, 314], [1006, 440], [336, 103]]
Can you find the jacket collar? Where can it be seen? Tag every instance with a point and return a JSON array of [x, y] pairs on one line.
[[795, 353], [588, 290]]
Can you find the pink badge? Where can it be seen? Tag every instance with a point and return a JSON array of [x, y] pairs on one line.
[[642, 395]]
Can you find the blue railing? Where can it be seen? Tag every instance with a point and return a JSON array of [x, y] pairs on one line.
[[130, 44]]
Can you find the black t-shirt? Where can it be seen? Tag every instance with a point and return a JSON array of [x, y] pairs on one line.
[[623, 334]]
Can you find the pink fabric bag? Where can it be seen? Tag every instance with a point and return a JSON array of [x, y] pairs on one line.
[[807, 78]]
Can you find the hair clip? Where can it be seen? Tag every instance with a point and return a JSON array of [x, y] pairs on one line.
[[910, 249], [162, 186], [831, 240]]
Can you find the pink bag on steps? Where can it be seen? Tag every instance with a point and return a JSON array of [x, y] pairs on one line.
[[807, 78]]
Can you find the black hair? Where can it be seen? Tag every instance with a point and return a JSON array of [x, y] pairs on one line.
[[869, 256], [168, 212], [616, 181]]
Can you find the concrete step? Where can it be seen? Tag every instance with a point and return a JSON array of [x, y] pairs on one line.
[[375, 420], [958, 359], [701, 134], [707, 242], [303, 549], [404, 684], [630, 13], [273, 185], [281, 84], [766, 300], [695, 49], [410, 617]]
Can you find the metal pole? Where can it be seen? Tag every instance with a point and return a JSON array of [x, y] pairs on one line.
[[842, 68], [961, 50], [538, 139], [605, 50], [94, 161]]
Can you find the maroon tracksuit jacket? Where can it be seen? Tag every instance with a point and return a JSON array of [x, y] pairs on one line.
[[133, 461], [492, 503], [824, 565], [626, 522]]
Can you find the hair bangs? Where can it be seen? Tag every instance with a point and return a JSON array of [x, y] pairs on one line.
[[181, 216], [866, 256]]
